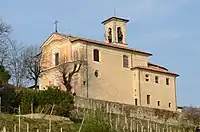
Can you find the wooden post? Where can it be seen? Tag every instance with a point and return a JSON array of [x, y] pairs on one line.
[[0, 104], [148, 126], [31, 110], [156, 127], [4, 129], [110, 116], [137, 127], [15, 128], [37, 130], [116, 123], [27, 127], [107, 107], [94, 112], [19, 119], [61, 130], [142, 129], [50, 118], [131, 126]]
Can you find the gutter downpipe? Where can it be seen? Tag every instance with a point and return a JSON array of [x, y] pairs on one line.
[[139, 88], [175, 93], [87, 66]]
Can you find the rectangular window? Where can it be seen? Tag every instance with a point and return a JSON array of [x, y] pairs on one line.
[[125, 61], [96, 55], [147, 77], [76, 55], [167, 81], [158, 103], [148, 99], [136, 102], [56, 59], [156, 79], [169, 105]]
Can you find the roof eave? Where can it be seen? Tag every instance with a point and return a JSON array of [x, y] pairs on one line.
[[117, 18], [144, 53], [174, 74]]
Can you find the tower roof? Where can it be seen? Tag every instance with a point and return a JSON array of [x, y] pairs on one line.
[[116, 19]]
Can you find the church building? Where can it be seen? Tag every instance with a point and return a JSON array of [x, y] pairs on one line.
[[113, 71]]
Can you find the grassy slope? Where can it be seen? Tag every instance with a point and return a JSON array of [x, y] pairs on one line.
[[10, 120]]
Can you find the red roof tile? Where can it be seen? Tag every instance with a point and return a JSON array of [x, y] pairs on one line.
[[155, 69], [110, 45]]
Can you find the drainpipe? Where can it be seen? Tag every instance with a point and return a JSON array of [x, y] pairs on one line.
[[132, 60], [87, 67], [175, 93], [139, 89]]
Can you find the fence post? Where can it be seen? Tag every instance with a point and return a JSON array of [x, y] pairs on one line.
[[4, 129], [131, 126], [15, 128], [27, 127], [116, 123], [19, 118], [31, 110], [137, 127], [50, 118], [148, 126], [142, 130], [110, 116]]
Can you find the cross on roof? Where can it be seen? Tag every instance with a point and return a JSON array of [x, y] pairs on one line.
[[56, 25]]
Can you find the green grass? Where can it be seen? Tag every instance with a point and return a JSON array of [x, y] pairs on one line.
[[9, 121]]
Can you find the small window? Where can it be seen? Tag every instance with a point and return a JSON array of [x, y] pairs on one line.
[[158, 103], [169, 105], [56, 59], [125, 61], [148, 99], [84, 82], [136, 102], [75, 55], [96, 55], [167, 81], [156, 79], [147, 77]]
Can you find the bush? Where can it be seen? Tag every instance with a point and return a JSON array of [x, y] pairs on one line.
[[96, 124], [44, 100]]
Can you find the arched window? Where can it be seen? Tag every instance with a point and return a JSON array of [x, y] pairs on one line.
[[119, 35], [110, 35]]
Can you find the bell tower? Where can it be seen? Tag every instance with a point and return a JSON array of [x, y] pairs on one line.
[[115, 30]]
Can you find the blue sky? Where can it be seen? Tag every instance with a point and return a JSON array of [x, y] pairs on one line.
[[170, 29]]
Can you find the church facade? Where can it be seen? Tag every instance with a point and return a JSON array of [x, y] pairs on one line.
[[113, 71]]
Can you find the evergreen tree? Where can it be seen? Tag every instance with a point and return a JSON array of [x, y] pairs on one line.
[[4, 75]]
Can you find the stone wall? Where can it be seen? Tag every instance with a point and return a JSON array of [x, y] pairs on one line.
[[158, 115]]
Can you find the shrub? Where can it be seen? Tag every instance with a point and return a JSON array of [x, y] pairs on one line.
[[44, 100], [96, 124]]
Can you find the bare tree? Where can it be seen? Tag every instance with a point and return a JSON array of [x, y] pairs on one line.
[[192, 115], [5, 30], [32, 62], [16, 65], [68, 69]]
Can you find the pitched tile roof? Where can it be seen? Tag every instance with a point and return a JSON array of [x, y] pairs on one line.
[[155, 69], [110, 45], [114, 18], [75, 38]]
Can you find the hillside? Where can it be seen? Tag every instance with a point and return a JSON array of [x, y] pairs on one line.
[[11, 122]]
